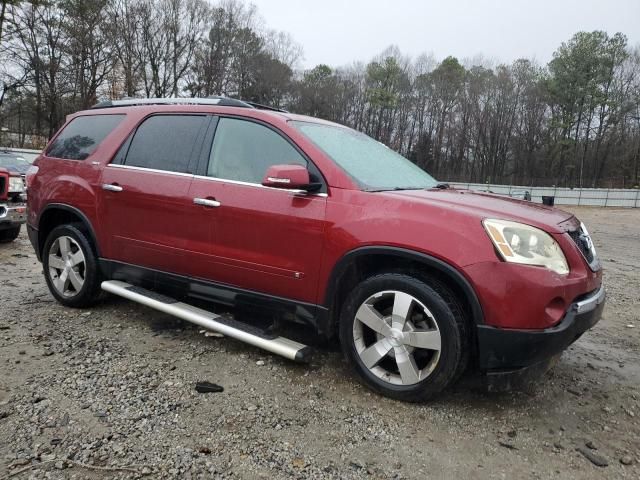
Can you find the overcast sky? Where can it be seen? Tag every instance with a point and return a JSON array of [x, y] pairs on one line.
[[338, 32]]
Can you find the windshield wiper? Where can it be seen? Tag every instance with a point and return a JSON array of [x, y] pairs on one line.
[[393, 189], [443, 186]]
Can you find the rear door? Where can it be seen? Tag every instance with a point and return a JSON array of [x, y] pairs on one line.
[[262, 239], [145, 203]]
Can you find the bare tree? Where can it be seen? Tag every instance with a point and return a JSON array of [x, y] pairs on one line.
[[87, 48], [282, 47], [124, 38]]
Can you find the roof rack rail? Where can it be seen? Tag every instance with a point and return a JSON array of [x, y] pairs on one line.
[[260, 106], [219, 101]]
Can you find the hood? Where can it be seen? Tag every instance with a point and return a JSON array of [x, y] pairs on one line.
[[489, 205], [17, 170]]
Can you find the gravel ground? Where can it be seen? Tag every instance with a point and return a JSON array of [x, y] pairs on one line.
[[110, 393]]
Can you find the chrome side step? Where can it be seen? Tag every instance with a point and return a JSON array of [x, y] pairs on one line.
[[245, 333]]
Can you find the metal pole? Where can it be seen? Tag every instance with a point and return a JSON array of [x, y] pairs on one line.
[[581, 169], [606, 200], [580, 196], [637, 197]]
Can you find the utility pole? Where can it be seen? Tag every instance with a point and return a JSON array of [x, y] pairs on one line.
[[636, 180]]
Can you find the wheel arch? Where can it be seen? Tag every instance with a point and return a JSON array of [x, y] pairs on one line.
[[363, 262], [56, 214]]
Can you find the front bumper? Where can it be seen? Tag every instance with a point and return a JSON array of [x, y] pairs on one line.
[[503, 350], [12, 214]]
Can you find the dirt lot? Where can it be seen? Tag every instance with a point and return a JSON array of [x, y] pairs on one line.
[[109, 393]]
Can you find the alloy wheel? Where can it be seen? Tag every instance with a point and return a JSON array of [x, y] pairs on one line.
[[67, 266], [396, 337]]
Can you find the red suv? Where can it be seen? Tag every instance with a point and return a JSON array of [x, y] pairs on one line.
[[176, 202]]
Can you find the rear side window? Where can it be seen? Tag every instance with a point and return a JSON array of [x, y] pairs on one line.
[[82, 135], [165, 142]]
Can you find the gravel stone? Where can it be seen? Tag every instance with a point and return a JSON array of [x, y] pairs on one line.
[[593, 457]]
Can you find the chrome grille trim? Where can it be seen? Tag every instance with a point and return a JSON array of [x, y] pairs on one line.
[[583, 242]]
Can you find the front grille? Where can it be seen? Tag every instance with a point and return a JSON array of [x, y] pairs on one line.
[[583, 242]]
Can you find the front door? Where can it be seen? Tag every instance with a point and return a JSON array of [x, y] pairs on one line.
[[262, 239]]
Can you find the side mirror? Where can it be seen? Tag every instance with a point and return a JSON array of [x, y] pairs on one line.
[[287, 176]]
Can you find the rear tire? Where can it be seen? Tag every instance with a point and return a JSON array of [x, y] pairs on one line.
[[71, 267], [402, 336], [10, 234]]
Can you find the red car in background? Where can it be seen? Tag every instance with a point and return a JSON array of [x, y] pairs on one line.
[[13, 211], [171, 202]]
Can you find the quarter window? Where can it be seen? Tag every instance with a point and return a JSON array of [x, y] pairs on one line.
[[243, 150], [82, 135], [165, 142]]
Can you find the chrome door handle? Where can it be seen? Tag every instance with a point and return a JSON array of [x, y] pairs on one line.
[[206, 202], [111, 187]]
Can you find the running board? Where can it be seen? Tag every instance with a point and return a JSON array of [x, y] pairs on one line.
[[231, 328]]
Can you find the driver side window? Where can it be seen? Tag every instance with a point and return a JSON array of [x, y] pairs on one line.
[[243, 150]]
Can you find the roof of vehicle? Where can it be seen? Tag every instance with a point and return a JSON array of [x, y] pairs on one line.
[[218, 101], [211, 104]]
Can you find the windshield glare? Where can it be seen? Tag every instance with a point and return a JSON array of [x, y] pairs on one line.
[[370, 163]]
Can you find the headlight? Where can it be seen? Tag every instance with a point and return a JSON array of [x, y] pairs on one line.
[[16, 185], [527, 245]]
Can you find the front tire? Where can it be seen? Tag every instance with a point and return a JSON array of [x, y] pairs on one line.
[[403, 336], [70, 267], [10, 234]]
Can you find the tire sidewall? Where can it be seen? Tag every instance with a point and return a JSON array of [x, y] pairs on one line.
[[450, 354], [87, 294]]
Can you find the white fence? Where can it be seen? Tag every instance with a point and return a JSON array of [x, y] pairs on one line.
[[595, 197]]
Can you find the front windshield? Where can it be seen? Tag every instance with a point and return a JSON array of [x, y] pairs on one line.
[[11, 161], [373, 165]]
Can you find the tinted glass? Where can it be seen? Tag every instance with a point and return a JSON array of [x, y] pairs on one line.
[[165, 142], [244, 150], [372, 164], [82, 136]]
